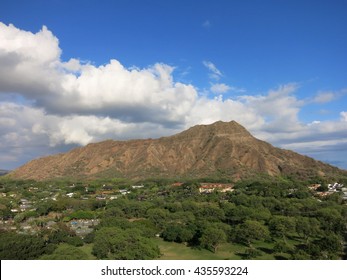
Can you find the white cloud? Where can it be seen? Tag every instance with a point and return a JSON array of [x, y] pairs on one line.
[[328, 96], [214, 71], [343, 116], [279, 107], [28, 63], [40, 48], [220, 88], [73, 65], [137, 95], [324, 97]]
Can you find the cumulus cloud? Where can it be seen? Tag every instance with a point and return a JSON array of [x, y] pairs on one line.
[[132, 95], [28, 61], [109, 90], [207, 111], [280, 107], [68, 103]]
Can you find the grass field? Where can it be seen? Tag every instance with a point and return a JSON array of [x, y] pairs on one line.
[[179, 251], [227, 251]]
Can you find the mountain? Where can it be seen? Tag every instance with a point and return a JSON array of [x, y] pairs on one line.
[[221, 149], [3, 172]]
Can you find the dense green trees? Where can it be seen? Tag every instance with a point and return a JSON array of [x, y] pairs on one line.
[[179, 232], [331, 220], [282, 226], [250, 231], [82, 214], [282, 246], [212, 237], [23, 247], [66, 252], [266, 216], [119, 244], [158, 216], [307, 227]]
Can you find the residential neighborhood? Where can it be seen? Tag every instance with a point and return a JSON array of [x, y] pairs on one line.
[[211, 187], [329, 189], [210, 213]]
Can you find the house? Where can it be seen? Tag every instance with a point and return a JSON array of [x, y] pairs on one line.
[[323, 194], [335, 186], [25, 207], [314, 187], [211, 187], [332, 188], [7, 225], [70, 194], [100, 197], [124, 191], [27, 228], [25, 204], [107, 188], [83, 227], [344, 195], [138, 187]]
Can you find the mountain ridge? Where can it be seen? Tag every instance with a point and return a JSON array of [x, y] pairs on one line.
[[203, 150], [4, 172]]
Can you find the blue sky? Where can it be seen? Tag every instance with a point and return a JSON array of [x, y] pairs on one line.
[[277, 67]]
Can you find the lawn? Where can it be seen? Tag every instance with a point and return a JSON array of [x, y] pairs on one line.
[[227, 251], [177, 251]]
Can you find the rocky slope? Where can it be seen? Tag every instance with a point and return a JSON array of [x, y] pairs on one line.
[[224, 148]]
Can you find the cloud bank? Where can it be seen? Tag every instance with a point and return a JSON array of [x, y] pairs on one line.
[[47, 104]]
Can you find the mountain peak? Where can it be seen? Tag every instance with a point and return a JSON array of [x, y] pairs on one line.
[[230, 129]]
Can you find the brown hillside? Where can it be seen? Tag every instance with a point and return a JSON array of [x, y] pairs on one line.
[[204, 150]]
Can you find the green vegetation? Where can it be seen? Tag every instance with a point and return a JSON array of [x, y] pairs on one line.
[[66, 252], [120, 244], [265, 218]]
